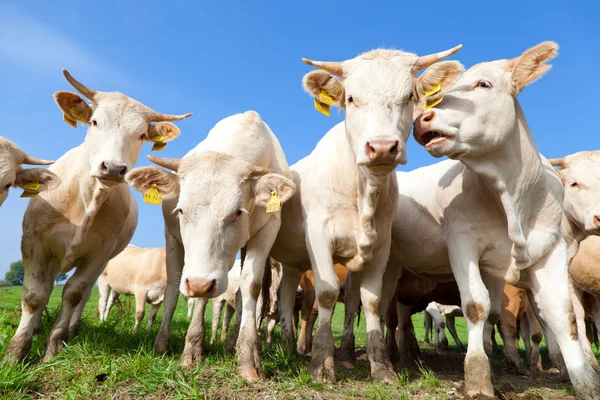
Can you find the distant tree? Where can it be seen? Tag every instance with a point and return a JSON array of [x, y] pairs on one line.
[[15, 275], [3, 283], [60, 278]]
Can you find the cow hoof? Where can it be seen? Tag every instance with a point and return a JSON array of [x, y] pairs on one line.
[[384, 375], [18, 348], [478, 379], [249, 373], [189, 361], [161, 344], [325, 372], [56, 342]]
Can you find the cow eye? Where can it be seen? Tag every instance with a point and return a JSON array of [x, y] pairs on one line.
[[144, 137], [350, 99], [484, 84], [238, 213], [94, 122], [180, 212], [575, 185]]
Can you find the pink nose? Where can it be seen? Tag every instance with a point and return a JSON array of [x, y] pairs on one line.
[[597, 220], [382, 151], [199, 287]]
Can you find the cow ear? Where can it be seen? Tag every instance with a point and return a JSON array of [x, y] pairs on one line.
[[47, 179], [165, 130], [560, 163], [319, 81], [142, 179], [266, 185], [436, 80], [74, 108], [531, 65]]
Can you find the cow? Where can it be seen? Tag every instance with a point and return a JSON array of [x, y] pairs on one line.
[[433, 320], [227, 301], [33, 180], [135, 271], [309, 306], [346, 191], [490, 214], [223, 195], [91, 216]]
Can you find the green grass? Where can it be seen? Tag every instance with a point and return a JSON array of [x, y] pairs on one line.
[[108, 360]]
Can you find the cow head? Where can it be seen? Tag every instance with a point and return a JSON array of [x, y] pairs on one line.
[[580, 175], [12, 175], [478, 114], [117, 127], [218, 197], [379, 91]]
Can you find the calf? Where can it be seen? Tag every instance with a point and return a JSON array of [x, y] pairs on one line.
[[347, 194], [433, 320], [33, 180], [223, 195], [134, 271], [91, 216]]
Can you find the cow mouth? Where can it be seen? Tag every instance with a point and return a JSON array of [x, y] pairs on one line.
[[434, 137]]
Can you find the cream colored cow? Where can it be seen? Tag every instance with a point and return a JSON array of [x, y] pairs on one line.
[[492, 213], [134, 271], [91, 216], [347, 193], [12, 175], [216, 202]]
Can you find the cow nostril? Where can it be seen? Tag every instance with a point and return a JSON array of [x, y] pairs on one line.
[[428, 116], [597, 220], [394, 148], [104, 166], [123, 171]]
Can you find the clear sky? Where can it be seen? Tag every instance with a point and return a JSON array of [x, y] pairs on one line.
[[218, 58]]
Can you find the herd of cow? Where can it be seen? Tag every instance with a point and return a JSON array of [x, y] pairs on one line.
[[458, 232]]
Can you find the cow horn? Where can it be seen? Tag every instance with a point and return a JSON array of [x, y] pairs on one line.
[[329, 66], [426, 61], [30, 160], [158, 117], [84, 90], [169, 163], [558, 162]]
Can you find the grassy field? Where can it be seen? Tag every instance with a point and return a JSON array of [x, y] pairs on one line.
[[109, 361]]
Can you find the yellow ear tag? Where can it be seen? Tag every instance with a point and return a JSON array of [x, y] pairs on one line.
[[28, 194], [32, 186], [322, 108], [158, 139], [274, 204], [433, 90], [158, 143], [435, 103], [76, 114], [69, 121], [325, 98], [153, 196]]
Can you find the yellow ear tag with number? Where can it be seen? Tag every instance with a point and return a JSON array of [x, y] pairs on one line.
[[274, 204], [158, 143], [69, 121], [325, 98], [433, 90], [31, 189], [153, 196], [322, 108]]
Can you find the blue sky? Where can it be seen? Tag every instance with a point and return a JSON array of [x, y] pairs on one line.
[[219, 58]]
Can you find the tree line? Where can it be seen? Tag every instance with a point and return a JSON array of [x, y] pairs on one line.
[[15, 275]]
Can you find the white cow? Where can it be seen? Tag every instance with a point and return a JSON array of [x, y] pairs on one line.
[[434, 321], [91, 216], [347, 193], [12, 175], [490, 214], [219, 200], [134, 271]]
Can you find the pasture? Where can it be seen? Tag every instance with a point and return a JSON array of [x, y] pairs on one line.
[[109, 361]]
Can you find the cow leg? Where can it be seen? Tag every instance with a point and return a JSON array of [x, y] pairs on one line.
[[304, 342], [525, 334], [74, 292], [371, 294], [111, 302], [193, 351], [290, 279], [271, 322], [508, 329], [428, 327], [451, 324], [551, 297], [310, 325], [347, 353], [253, 270], [235, 330], [577, 299], [388, 310], [75, 323], [174, 261], [535, 361], [391, 324], [152, 315], [438, 327], [190, 307], [475, 301], [216, 318], [140, 306], [38, 280], [229, 310], [104, 290], [408, 354], [495, 289]]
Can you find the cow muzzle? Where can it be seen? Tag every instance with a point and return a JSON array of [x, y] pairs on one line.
[[112, 171]]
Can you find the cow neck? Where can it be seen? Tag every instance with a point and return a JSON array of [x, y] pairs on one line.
[[515, 174], [573, 233], [93, 194], [370, 185]]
